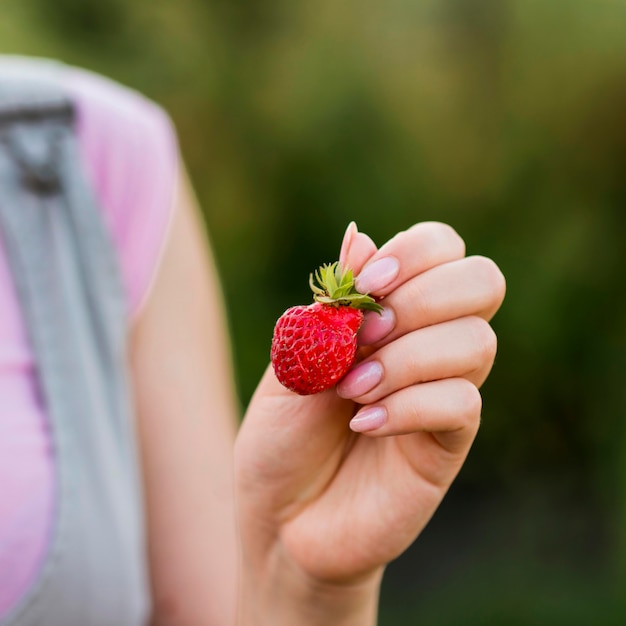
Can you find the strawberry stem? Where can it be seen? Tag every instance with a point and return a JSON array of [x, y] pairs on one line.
[[333, 285]]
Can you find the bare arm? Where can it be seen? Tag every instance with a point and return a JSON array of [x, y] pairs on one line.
[[186, 410]]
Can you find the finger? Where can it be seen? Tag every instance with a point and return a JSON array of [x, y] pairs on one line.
[[464, 347], [409, 253], [356, 249], [448, 409], [470, 286]]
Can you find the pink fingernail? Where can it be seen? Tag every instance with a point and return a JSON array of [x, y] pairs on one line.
[[347, 240], [377, 275], [368, 419], [376, 326], [363, 378]]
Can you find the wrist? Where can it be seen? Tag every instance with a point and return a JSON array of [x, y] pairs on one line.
[[279, 593]]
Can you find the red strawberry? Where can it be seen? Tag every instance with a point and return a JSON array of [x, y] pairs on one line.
[[314, 346]]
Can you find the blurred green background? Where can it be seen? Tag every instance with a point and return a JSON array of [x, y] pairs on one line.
[[505, 118]]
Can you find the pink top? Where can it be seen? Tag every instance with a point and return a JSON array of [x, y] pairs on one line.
[[130, 156]]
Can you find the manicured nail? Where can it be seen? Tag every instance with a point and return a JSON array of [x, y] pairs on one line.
[[360, 379], [377, 275], [347, 240], [376, 326], [368, 419]]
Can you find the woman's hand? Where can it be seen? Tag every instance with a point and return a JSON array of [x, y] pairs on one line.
[[332, 487]]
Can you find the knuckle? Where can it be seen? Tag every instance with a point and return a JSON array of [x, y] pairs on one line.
[[422, 306], [470, 404], [431, 242], [490, 274], [435, 236], [412, 363], [440, 234], [484, 339]]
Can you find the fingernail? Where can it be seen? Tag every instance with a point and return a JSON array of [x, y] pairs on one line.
[[360, 380], [376, 326], [347, 240], [377, 275], [368, 419]]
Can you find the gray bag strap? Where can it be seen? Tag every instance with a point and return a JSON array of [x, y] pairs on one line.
[[68, 282]]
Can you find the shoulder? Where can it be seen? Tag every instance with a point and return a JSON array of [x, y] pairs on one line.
[[129, 153], [105, 105], [121, 133], [129, 150]]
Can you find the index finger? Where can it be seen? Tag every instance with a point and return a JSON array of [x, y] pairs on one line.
[[408, 254]]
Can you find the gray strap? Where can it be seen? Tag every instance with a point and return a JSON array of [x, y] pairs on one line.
[[68, 282]]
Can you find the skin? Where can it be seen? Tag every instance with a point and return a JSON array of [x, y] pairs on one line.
[[320, 509], [187, 418]]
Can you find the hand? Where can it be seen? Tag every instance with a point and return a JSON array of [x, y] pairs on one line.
[[332, 487]]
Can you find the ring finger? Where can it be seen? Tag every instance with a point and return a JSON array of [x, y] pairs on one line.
[[463, 347]]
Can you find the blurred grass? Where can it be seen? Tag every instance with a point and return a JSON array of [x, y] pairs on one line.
[[505, 118]]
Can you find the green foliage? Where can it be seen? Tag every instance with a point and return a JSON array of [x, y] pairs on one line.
[[505, 118]]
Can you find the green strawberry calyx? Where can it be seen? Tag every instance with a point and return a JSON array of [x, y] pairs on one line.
[[333, 285]]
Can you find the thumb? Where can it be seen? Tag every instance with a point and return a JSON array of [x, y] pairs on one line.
[[293, 438], [289, 446]]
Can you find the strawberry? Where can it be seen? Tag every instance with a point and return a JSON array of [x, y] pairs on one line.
[[314, 346]]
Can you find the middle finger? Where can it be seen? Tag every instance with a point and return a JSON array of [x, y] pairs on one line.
[[463, 348], [469, 286]]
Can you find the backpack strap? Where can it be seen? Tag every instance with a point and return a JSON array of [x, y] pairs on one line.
[[70, 290]]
